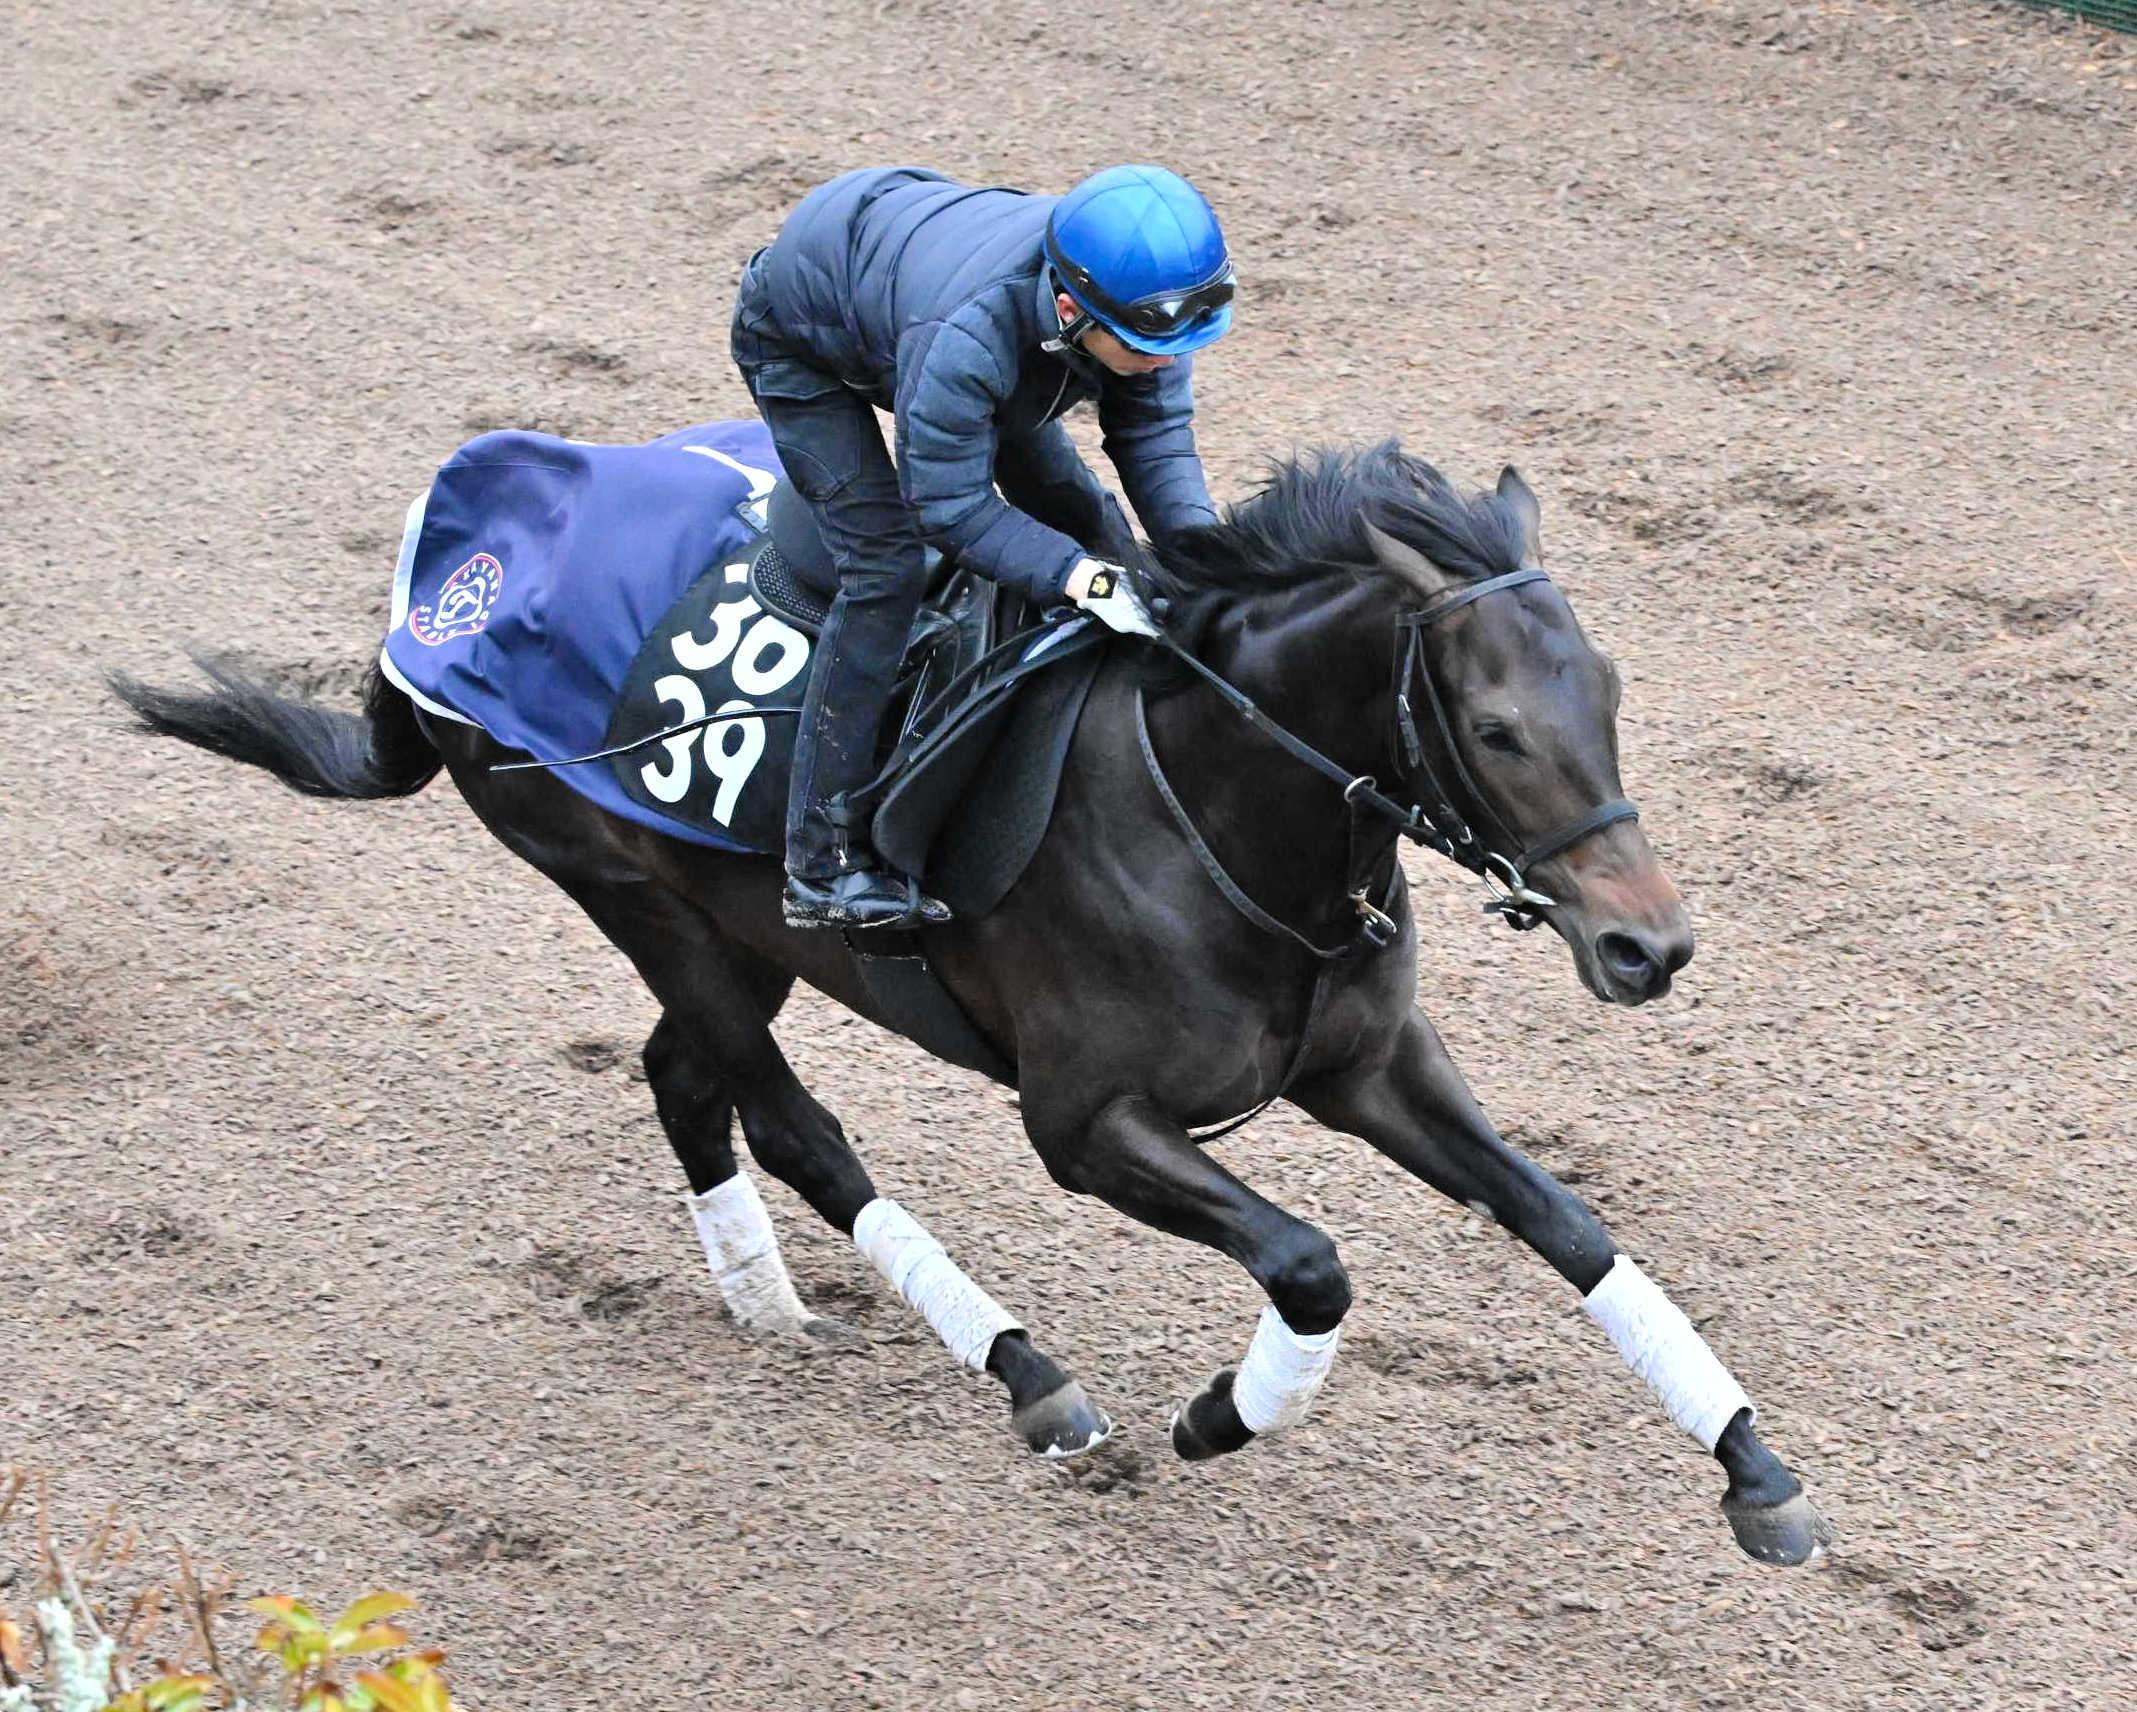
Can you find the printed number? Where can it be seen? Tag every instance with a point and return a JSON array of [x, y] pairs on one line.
[[727, 621], [789, 648], [732, 748], [732, 752], [767, 656], [671, 783], [753, 674]]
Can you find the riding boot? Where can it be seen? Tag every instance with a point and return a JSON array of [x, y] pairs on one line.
[[834, 878], [833, 452], [862, 892]]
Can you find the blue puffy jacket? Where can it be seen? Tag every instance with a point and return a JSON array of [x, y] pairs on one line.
[[930, 298]]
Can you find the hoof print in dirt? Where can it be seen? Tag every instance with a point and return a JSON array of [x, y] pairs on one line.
[[461, 1536], [832, 1337], [595, 1057], [559, 1275], [1787, 1534], [614, 1301], [1113, 1469], [127, 1233], [1941, 1613]]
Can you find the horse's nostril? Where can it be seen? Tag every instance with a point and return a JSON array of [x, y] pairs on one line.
[[1630, 961]]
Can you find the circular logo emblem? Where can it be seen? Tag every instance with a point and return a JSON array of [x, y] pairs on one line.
[[464, 604]]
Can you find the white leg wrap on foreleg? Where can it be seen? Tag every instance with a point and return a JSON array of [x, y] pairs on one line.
[[743, 1252], [1663, 1348], [964, 1316], [1281, 1374]]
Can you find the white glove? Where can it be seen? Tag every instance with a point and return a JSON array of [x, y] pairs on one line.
[[1111, 598]]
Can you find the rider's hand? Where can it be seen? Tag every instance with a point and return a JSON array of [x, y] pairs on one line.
[[1108, 593]]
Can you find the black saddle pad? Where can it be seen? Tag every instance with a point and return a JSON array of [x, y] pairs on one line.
[[716, 651]]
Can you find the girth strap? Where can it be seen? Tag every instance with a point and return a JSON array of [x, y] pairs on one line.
[[1314, 1002]]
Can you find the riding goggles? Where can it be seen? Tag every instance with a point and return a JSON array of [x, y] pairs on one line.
[[1162, 315]]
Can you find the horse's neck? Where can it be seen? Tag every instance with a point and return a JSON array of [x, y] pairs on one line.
[[1279, 826], [1323, 669]]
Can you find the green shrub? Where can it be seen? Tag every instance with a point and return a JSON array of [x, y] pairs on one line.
[[100, 1618]]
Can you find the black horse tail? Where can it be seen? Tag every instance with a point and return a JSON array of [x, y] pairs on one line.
[[312, 749]]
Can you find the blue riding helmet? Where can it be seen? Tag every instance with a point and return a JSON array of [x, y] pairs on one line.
[[1138, 248]]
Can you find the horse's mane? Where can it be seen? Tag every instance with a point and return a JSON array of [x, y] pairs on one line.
[[1309, 517]]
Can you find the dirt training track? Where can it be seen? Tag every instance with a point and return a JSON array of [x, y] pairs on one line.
[[336, 1230]]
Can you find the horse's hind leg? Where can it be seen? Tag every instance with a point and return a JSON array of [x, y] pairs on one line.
[[716, 999], [712, 1058], [697, 1111], [1415, 1108]]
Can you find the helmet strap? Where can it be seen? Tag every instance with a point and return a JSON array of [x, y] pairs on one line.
[[1065, 340]]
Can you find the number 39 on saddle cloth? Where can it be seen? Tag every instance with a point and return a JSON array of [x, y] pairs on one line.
[[572, 598]]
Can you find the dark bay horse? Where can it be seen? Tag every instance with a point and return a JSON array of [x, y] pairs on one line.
[[1208, 922]]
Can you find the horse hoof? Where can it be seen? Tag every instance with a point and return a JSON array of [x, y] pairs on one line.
[[1786, 1534], [1208, 1423], [1063, 1423]]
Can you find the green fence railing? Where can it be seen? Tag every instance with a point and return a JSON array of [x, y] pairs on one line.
[[2115, 14]]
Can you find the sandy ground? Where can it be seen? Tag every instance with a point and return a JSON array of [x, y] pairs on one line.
[[335, 1227]]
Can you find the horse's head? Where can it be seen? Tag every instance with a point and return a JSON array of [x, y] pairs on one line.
[[1508, 719]]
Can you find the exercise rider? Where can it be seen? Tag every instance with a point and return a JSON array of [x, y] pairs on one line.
[[978, 318]]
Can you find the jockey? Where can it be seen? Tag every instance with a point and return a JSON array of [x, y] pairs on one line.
[[978, 318]]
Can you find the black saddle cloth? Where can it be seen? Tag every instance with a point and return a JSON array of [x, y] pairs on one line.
[[972, 748]]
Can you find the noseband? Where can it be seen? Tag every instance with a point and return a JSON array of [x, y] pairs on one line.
[[1447, 831]]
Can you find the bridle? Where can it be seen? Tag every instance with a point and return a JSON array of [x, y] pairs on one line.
[[1436, 824], [1514, 900]]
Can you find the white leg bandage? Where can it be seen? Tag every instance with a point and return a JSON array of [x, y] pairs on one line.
[[1661, 1346], [743, 1253], [1281, 1374], [964, 1316]]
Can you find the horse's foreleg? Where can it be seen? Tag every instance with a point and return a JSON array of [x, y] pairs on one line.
[[1139, 1161], [1415, 1107]]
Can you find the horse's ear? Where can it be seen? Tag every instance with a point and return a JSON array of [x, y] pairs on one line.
[[1515, 492], [1400, 559]]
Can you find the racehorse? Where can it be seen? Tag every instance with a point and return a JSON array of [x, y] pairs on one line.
[[1215, 916]]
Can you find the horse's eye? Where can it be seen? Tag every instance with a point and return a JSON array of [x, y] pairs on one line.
[[1499, 738]]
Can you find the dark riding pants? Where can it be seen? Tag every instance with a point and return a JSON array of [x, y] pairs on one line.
[[832, 451]]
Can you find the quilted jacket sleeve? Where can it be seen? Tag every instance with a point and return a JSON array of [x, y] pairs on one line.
[[1148, 422], [951, 381]]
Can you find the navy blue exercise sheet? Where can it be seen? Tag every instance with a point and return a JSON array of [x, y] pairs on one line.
[[535, 568]]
